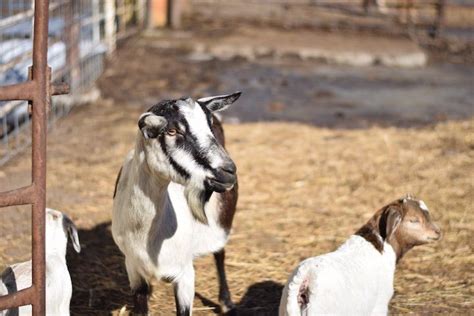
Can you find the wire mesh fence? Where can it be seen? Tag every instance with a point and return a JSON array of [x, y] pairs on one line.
[[81, 34]]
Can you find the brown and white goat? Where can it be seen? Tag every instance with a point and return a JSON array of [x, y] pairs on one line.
[[175, 199], [357, 278]]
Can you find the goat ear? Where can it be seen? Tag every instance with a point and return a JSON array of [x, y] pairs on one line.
[[219, 102], [151, 125], [389, 222], [71, 230]]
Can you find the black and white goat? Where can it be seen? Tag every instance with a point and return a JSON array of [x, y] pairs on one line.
[[175, 199], [58, 281], [357, 278]]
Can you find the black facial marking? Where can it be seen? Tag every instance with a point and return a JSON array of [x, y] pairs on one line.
[[169, 109], [175, 165], [206, 194], [190, 144], [185, 139]]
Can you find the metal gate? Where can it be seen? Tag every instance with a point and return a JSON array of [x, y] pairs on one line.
[[37, 91]]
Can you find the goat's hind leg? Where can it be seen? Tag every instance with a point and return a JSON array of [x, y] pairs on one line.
[[184, 292], [224, 294]]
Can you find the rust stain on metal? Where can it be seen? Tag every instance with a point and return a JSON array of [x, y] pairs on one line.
[[38, 91]]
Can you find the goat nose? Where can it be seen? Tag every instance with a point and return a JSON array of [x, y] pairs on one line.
[[229, 167]]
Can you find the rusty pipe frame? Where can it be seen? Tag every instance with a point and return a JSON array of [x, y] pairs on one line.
[[37, 91]]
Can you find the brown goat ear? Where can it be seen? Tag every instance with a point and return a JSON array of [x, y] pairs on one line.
[[389, 221]]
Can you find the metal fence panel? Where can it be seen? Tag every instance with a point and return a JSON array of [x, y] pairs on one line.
[[81, 33], [74, 42], [37, 90]]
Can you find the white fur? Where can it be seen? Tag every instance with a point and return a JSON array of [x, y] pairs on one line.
[[157, 222], [356, 279], [197, 123], [153, 226], [187, 161], [205, 99], [423, 205], [58, 280]]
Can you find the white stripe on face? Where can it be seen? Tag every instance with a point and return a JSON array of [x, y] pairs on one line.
[[186, 160], [197, 122]]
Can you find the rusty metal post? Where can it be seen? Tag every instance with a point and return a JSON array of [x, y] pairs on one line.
[[39, 129], [37, 91]]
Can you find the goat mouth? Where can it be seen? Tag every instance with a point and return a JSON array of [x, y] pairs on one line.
[[220, 186], [433, 238]]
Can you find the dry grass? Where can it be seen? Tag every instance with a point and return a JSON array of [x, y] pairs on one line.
[[303, 190]]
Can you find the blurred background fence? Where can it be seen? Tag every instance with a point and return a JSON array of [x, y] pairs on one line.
[[81, 34], [397, 17]]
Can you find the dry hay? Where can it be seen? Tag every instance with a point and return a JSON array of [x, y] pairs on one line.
[[303, 190]]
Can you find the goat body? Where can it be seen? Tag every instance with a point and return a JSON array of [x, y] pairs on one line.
[[58, 285], [58, 281], [356, 279], [154, 226]]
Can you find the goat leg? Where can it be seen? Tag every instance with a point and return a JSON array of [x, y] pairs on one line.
[[224, 294], [184, 291], [140, 299]]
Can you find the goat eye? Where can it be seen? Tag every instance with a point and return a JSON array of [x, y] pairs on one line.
[[414, 220], [172, 132]]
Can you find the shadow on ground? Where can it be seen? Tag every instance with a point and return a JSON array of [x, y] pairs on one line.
[[101, 285], [98, 274], [261, 298]]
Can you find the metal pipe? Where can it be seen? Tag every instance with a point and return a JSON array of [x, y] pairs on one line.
[[19, 91], [41, 100], [19, 298], [20, 196]]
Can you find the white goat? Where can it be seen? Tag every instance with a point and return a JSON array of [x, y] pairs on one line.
[[58, 282], [165, 212], [357, 278]]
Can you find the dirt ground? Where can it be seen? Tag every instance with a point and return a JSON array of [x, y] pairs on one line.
[[305, 185]]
